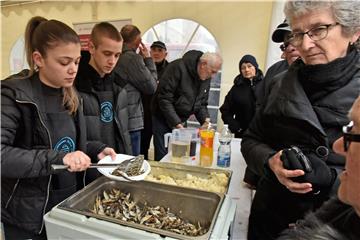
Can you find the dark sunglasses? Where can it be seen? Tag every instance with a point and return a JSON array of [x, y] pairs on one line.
[[284, 46], [349, 137]]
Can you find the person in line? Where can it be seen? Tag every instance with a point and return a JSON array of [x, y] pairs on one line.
[[183, 90], [306, 107], [339, 218], [158, 53], [289, 53], [42, 124], [103, 93], [239, 105], [139, 72]]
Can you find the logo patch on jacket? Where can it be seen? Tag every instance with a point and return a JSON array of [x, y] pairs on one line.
[[106, 112], [66, 145]]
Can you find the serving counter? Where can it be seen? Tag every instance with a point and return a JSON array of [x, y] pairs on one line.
[[63, 222]]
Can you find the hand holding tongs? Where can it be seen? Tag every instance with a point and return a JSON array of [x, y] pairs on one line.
[[123, 165]]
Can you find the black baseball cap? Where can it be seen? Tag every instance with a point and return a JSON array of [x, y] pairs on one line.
[[158, 44], [278, 35]]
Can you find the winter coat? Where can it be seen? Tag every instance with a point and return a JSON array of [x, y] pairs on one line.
[[273, 70], [288, 117], [140, 76], [181, 92], [306, 107], [26, 152], [86, 75], [239, 105]]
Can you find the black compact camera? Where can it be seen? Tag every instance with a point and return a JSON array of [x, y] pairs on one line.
[[293, 158], [316, 171]]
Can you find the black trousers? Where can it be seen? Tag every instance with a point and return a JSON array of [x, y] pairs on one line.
[[15, 233], [159, 129]]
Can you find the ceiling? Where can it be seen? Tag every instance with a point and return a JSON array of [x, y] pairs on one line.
[[9, 3]]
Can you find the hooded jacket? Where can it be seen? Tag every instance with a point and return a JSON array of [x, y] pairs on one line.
[[26, 152], [181, 92]]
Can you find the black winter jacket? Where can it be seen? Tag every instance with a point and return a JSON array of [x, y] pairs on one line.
[[288, 117], [26, 152], [273, 70], [239, 105], [181, 92], [92, 111], [306, 107]]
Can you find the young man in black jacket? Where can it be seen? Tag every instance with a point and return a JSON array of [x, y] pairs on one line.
[[103, 93]]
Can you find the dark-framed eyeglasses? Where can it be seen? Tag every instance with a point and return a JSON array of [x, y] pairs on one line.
[[315, 34], [348, 136]]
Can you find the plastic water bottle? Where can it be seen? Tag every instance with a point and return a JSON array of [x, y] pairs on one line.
[[224, 152]]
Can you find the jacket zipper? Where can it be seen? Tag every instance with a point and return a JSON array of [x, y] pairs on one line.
[[48, 186], [13, 191]]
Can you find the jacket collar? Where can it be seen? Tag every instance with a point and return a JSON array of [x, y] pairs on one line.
[[288, 99]]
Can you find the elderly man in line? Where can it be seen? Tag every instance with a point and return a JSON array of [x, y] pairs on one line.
[[183, 90]]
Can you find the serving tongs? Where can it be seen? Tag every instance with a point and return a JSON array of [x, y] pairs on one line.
[[130, 166]]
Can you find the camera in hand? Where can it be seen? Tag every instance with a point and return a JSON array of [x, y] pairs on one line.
[[293, 158], [316, 170]]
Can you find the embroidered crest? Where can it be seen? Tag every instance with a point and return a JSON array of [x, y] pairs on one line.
[[106, 112], [66, 145]]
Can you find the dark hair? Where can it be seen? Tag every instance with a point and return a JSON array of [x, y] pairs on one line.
[[104, 29], [129, 33], [42, 34]]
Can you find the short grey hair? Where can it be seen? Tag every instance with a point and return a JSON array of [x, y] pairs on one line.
[[211, 59], [345, 12]]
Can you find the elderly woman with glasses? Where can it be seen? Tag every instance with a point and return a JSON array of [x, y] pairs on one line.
[[306, 107]]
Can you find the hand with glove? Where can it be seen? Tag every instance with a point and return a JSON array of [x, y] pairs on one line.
[[316, 171]]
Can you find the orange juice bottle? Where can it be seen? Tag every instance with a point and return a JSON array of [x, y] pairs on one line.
[[206, 147]]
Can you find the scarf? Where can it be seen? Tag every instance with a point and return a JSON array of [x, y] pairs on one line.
[[322, 79]]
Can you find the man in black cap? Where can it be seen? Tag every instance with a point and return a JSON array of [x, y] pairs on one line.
[[158, 53], [289, 55]]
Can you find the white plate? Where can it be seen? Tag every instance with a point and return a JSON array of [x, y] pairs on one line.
[[119, 159]]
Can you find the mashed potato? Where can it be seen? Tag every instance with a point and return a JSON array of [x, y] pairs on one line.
[[216, 182]]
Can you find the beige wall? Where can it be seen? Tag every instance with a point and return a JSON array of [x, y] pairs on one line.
[[239, 27]]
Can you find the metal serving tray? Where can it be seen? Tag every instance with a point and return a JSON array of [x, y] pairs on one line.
[[190, 204], [179, 171]]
